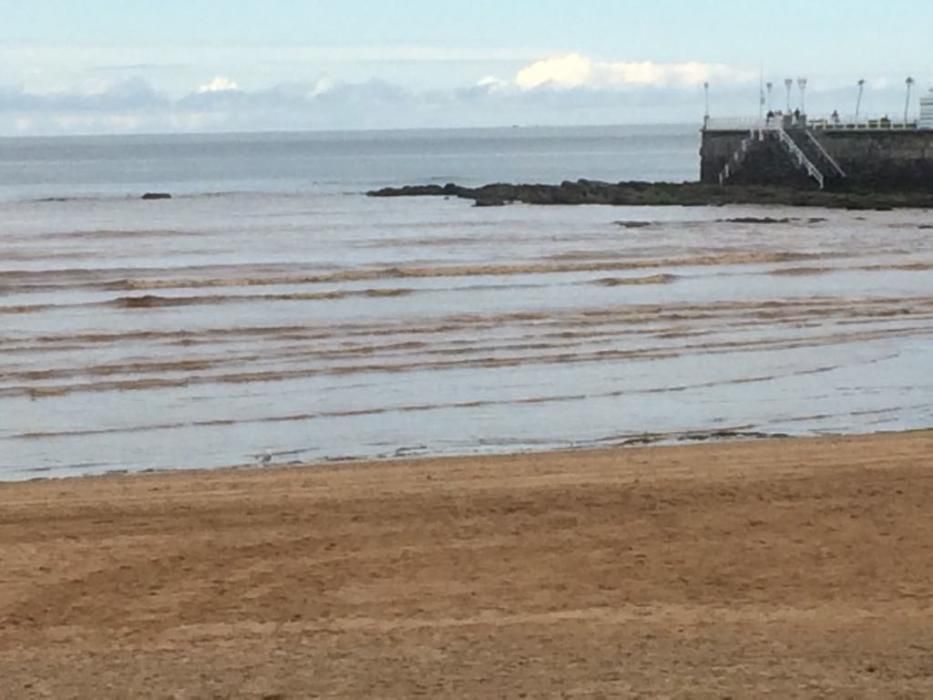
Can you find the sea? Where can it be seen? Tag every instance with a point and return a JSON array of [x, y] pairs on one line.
[[271, 313]]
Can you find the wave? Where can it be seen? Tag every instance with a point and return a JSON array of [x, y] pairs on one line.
[[427, 407], [479, 358], [571, 323], [67, 198], [891, 267], [194, 277], [115, 234], [801, 271], [152, 301]]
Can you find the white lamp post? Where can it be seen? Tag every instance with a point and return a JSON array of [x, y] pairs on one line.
[[858, 103], [788, 84], [802, 84], [910, 84]]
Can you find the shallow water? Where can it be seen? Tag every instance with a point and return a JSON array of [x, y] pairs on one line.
[[279, 327]]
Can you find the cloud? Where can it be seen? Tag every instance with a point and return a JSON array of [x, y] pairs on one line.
[[556, 92], [322, 85], [219, 84], [574, 70], [491, 83], [571, 70], [132, 94], [138, 67]]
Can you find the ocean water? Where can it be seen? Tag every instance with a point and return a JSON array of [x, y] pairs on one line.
[[271, 313], [339, 163]]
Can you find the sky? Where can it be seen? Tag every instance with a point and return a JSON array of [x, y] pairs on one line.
[[123, 66]]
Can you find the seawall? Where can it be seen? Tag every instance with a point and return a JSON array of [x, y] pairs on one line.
[[871, 158]]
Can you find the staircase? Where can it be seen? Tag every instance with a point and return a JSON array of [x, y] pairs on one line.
[[800, 158], [738, 158], [811, 146], [800, 145]]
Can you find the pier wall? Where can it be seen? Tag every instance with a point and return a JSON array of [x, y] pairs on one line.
[[716, 148], [879, 159], [766, 164]]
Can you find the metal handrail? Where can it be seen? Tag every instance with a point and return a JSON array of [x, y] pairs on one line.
[[825, 154], [848, 123], [801, 157], [770, 127], [738, 157], [861, 123], [742, 124]]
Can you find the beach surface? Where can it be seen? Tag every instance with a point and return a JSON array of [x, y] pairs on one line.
[[217, 330], [777, 568]]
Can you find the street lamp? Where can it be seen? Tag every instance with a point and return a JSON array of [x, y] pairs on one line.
[[788, 84], [706, 111], [910, 84], [770, 87], [802, 84], [858, 103]]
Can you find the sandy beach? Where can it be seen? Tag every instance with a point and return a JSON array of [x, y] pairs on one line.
[[783, 568]]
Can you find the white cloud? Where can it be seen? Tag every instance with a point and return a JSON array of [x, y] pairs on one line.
[[219, 84], [492, 84], [322, 86], [589, 94], [575, 70], [570, 70]]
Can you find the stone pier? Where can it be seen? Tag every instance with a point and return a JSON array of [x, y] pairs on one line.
[[882, 158]]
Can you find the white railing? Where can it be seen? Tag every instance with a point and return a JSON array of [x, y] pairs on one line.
[[733, 124], [801, 157], [864, 125], [826, 124], [778, 121], [758, 132], [825, 154]]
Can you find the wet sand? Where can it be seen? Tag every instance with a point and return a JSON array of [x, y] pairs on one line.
[[785, 568], [247, 328]]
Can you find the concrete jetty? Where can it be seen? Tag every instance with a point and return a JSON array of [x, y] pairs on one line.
[[793, 151]]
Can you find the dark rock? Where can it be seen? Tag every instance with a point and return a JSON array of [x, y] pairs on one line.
[[415, 191], [665, 194], [755, 220], [157, 195]]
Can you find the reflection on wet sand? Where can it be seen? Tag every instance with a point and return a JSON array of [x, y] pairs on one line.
[[550, 334], [148, 279], [283, 356]]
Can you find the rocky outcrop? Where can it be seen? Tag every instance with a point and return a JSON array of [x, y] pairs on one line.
[[661, 194]]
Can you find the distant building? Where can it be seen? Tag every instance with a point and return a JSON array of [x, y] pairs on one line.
[[926, 112]]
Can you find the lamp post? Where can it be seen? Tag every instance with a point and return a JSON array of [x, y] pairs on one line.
[[910, 84], [858, 103], [788, 84], [770, 86], [802, 84], [706, 109]]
